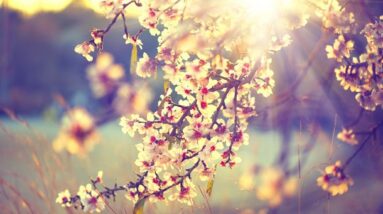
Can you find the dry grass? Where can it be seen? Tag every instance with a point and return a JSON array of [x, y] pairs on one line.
[[31, 174]]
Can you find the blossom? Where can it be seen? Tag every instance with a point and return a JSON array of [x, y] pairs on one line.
[[134, 98], [197, 129], [172, 16], [104, 75], [334, 180], [99, 177], [149, 20], [360, 74], [146, 67], [111, 7], [133, 195], [214, 62], [264, 82], [210, 152], [206, 174], [91, 200], [377, 96], [186, 90], [349, 79], [374, 33], [98, 37], [275, 186], [85, 49], [279, 42], [134, 40], [197, 70], [206, 98], [132, 124], [246, 181], [366, 100], [78, 133], [64, 198], [334, 16], [184, 193], [347, 136], [340, 49]]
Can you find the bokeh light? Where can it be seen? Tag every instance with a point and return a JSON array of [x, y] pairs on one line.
[[32, 7]]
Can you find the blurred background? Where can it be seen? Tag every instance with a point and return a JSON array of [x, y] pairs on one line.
[[38, 64]]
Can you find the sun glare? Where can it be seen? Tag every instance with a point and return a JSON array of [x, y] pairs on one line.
[[267, 9], [261, 6], [32, 7]]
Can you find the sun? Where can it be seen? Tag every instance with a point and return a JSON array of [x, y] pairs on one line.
[[262, 7], [266, 9]]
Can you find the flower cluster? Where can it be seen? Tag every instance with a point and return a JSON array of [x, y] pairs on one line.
[[341, 49], [90, 199], [335, 17], [111, 8], [215, 60], [361, 74], [214, 73], [334, 180], [78, 133], [107, 80]]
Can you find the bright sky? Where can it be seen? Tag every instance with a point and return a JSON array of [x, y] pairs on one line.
[[30, 7]]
